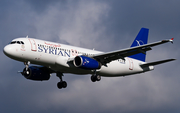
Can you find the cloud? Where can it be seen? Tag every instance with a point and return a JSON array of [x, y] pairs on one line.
[[80, 24]]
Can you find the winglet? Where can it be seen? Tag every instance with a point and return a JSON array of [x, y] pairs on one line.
[[171, 40]]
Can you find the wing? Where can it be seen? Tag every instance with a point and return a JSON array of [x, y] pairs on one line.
[[105, 58]]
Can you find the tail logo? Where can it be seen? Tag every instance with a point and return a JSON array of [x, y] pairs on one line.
[[140, 42]]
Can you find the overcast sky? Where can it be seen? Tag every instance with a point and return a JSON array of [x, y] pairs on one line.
[[105, 25]]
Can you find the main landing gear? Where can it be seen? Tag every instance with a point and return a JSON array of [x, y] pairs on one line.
[[61, 84], [95, 77]]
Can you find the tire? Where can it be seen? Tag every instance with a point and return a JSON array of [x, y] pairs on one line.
[[98, 77], [64, 84], [59, 85], [93, 79]]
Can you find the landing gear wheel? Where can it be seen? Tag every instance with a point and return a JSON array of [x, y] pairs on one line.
[[64, 84], [26, 72], [59, 85], [93, 79], [98, 77]]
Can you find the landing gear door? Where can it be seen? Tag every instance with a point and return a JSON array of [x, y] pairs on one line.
[[33, 44]]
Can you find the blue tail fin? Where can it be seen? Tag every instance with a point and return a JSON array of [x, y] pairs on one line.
[[141, 39]]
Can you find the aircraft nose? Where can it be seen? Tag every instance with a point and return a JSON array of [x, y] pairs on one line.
[[7, 50]]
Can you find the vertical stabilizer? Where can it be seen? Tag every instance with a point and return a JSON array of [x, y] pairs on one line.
[[141, 39]]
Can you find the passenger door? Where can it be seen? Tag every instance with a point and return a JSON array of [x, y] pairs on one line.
[[131, 65], [33, 44]]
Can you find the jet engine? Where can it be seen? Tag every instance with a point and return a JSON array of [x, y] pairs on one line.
[[36, 73], [86, 63]]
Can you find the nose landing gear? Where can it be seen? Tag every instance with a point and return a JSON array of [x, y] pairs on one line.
[[26, 70]]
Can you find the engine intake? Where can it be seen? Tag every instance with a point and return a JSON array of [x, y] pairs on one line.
[[86, 62], [36, 73]]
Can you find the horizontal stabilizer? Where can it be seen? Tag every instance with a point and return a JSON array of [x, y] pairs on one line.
[[156, 63]]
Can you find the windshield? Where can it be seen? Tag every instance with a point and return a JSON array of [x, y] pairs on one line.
[[17, 42]]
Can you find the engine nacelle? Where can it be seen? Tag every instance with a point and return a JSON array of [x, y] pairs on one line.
[[86, 62], [36, 73]]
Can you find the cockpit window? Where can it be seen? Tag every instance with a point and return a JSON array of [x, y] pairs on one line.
[[17, 42], [13, 42]]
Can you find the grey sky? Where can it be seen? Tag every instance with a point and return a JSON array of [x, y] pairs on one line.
[[101, 24]]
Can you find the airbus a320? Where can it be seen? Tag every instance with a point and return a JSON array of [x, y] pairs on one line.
[[60, 58]]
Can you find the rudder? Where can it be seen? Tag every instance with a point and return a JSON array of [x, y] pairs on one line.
[[141, 39]]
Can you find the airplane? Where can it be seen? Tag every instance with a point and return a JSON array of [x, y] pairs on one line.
[[50, 57]]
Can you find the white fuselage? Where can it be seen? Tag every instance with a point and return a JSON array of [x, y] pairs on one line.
[[56, 56]]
